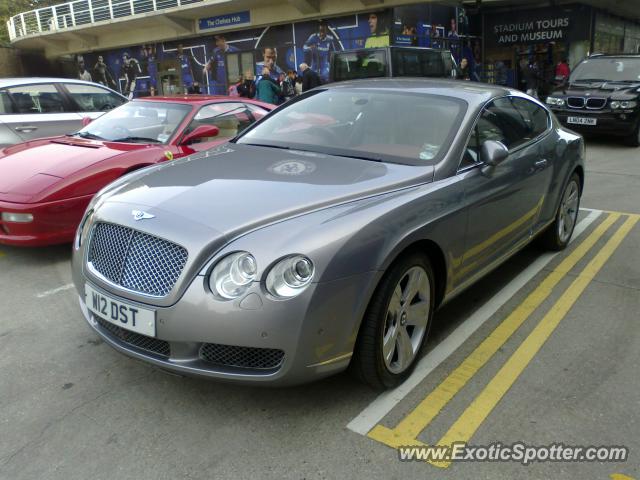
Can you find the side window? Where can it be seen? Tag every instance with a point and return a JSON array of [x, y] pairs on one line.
[[502, 122], [256, 111], [5, 103], [472, 151], [42, 98], [90, 98], [230, 117], [534, 116]]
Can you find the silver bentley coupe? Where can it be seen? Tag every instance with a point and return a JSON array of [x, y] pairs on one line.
[[324, 237]]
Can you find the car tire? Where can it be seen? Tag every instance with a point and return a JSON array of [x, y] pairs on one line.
[[633, 140], [396, 323], [557, 235]]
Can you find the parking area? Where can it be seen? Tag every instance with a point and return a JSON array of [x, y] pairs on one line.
[[543, 351]]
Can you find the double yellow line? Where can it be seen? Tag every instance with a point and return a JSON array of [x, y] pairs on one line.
[[462, 430]]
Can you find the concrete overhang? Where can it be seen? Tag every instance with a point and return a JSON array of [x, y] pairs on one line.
[[182, 22]]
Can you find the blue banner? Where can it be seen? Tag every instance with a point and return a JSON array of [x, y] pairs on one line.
[[228, 20]]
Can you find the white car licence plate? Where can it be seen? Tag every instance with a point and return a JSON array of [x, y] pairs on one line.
[[582, 120], [122, 314]]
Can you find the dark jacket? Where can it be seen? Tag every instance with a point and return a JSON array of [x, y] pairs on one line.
[[310, 79], [247, 89]]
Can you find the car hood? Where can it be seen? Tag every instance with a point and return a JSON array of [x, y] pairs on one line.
[[601, 89], [235, 188], [29, 168]]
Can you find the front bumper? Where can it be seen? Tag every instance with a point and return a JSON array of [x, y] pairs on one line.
[[315, 332], [53, 222], [608, 123]]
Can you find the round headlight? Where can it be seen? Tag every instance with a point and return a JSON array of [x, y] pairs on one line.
[[555, 101], [615, 104], [83, 229], [233, 275], [628, 104], [290, 276]]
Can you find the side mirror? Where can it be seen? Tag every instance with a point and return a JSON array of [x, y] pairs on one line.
[[493, 153], [202, 131], [86, 121]]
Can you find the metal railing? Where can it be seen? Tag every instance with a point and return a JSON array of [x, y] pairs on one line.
[[83, 12]]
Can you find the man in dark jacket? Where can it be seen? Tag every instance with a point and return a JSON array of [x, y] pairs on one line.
[[310, 79]]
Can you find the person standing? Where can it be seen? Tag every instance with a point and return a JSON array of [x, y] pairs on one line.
[[462, 72], [289, 86], [310, 79], [530, 77], [267, 90], [562, 73], [247, 89]]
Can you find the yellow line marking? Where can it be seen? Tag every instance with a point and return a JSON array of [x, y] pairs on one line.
[[416, 421], [2, 254], [620, 476], [475, 414]]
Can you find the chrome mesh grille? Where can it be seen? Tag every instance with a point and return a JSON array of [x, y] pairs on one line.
[[149, 344], [244, 357], [135, 260]]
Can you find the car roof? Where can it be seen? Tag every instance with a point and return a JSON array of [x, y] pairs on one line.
[[612, 55], [200, 99], [472, 92], [8, 82]]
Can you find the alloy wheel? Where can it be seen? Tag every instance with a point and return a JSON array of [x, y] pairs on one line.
[[406, 320]]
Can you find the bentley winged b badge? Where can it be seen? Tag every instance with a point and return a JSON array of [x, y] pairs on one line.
[[140, 215]]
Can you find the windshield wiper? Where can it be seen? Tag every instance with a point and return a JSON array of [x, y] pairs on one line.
[[136, 139], [88, 135], [359, 157], [268, 146], [588, 80]]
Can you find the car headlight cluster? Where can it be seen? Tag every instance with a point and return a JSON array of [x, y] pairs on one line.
[[290, 276], [232, 276], [624, 104], [83, 230], [555, 101]]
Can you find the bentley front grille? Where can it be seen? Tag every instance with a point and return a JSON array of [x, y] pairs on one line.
[[134, 260]]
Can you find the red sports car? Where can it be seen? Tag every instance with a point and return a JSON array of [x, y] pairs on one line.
[[46, 184]]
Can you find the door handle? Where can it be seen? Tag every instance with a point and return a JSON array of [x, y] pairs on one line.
[[26, 128], [541, 164]]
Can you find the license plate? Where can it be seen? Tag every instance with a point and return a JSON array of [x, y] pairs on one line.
[[582, 120], [122, 314]]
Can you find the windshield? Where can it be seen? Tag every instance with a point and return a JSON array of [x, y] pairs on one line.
[[608, 69], [397, 127], [153, 122]]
